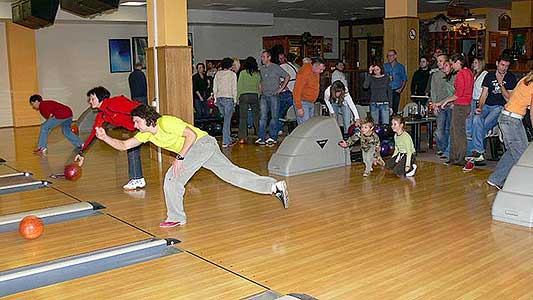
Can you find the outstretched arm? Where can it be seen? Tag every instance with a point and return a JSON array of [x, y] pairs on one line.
[[117, 144]]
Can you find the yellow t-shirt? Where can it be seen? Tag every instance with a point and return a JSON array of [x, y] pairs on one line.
[[169, 134], [521, 98]]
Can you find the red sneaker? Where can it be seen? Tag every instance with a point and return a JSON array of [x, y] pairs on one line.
[[167, 224], [40, 151]]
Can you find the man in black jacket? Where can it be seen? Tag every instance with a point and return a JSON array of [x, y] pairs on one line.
[[420, 78], [137, 81]]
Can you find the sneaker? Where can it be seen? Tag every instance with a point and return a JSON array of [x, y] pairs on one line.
[[135, 184], [469, 166], [494, 184], [242, 141], [279, 189], [412, 172], [476, 156], [440, 153], [365, 174], [170, 224], [446, 163], [40, 150], [280, 132], [443, 157], [260, 141], [271, 141]]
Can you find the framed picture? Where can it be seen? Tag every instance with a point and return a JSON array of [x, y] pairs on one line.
[[119, 55], [139, 45]]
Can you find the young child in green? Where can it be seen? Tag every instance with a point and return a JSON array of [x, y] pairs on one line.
[[370, 145], [403, 159]]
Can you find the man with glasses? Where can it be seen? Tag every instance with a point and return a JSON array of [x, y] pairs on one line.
[[398, 78]]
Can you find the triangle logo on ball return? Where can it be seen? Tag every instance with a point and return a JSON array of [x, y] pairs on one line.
[[322, 143]]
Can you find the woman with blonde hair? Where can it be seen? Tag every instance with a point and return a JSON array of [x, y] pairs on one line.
[[513, 131], [479, 70]]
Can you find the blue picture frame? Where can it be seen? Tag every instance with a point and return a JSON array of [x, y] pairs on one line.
[[119, 55]]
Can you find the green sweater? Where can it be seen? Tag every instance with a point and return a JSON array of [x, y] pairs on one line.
[[248, 83], [404, 144]]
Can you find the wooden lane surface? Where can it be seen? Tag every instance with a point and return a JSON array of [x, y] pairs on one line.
[[344, 236], [179, 276], [65, 239], [32, 200], [4, 170]]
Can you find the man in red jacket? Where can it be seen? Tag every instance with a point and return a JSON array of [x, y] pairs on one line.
[[55, 114], [115, 111]]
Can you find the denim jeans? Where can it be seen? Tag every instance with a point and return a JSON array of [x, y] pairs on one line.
[[285, 101], [309, 111], [65, 128], [482, 123], [444, 119], [268, 104], [380, 111], [226, 107], [135, 170], [395, 101], [346, 113], [515, 141], [470, 119], [200, 108]]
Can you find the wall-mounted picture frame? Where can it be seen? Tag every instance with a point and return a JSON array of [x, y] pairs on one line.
[[119, 55], [139, 46]]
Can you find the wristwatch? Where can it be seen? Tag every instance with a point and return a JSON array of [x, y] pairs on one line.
[[179, 157]]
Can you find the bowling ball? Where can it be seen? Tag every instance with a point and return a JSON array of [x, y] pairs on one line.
[[385, 148], [209, 128], [217, 129], [211, 103], [351, 129], [219, 116], [75, 129], [31, 227], [380, 130], [72, 172]]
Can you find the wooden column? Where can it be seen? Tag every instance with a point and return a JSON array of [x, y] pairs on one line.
[[24, 81], [401, 18], [168, 39]]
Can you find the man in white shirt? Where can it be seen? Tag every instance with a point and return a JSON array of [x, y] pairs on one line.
[[285, 97]]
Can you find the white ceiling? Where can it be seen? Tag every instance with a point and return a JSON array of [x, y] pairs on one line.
[[325, 9]]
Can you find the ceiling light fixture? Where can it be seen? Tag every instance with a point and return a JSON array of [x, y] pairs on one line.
[[294, 9], [133, 3], [239, 8], [320, 13], [373, 7], [470, 19], [437, 1], [289, 1]]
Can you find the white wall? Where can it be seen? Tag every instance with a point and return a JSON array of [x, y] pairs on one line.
[[73, 58], [6, 117], [216, 42]]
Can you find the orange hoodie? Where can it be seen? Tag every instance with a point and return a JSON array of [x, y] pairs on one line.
[[307, 86]]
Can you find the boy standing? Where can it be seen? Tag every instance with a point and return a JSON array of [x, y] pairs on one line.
[[55, 114]]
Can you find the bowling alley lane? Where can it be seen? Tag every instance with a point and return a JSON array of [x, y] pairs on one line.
[[4, 170], [65, 239], [181, 276], [32, 200]]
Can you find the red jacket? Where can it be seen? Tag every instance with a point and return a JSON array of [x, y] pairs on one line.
[[115, 111], [49, 108]]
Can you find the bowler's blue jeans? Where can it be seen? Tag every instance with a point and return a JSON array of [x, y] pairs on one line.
[[515, 141], [50, 124]]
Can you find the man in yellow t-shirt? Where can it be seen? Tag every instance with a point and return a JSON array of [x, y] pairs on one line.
[[194, 149]]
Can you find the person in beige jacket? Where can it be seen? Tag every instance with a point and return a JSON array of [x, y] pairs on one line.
[[225, 93]]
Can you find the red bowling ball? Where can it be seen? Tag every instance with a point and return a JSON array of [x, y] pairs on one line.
[[73, 172], [31, 227]]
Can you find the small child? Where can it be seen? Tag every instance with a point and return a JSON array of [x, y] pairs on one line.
[[370, 145], [403, 158], [55, 114]]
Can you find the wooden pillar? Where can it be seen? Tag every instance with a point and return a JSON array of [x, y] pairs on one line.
[[168, 40], [401, 21], [23, 77], [167, 33], [522, 14]]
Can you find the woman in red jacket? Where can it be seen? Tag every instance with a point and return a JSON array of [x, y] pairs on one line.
[[464, 85], [115, 111]]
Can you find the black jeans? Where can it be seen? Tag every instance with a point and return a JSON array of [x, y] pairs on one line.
[[245, 101], [395, 101]]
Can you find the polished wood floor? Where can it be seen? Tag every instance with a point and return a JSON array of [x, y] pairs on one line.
[[343, 237]]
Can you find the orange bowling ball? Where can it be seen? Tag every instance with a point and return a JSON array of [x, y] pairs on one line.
[[31, 227], [75, 129], [72, 171]]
